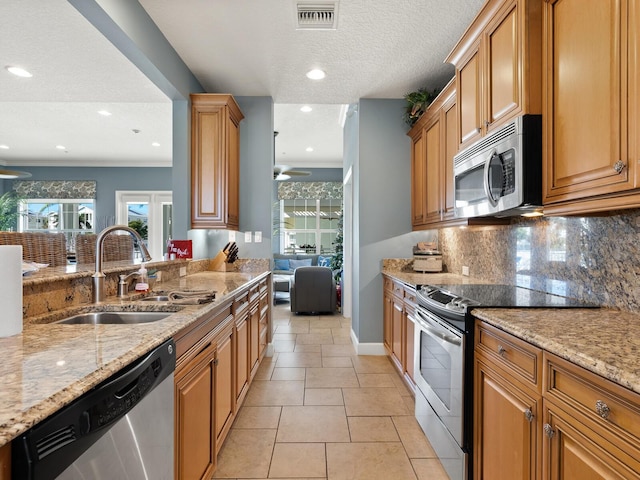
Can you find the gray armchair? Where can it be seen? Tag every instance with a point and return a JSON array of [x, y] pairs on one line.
[[313, 290]]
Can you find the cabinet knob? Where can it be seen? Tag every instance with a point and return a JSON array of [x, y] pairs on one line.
[[487, 123], [602, 409], [619, 166], [548, 430], [501, 350], [528, 414], [478, 130]]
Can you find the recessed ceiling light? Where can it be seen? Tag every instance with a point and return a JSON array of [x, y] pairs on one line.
[[316, 74], [155, 144], [309, 149], [61, 147], [104, 113], [306, 109], [4, 147], [19, 72]]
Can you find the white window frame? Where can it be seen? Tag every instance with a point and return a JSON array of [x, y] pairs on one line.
[[156, 199]]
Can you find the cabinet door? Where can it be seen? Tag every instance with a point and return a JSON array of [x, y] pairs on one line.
[[584, 63], [503, 73], [418, 180], [450, 121], [242, 357], [5, 462], [233, 186], [433, 166], [397, 320], [468, 82], [195, 436], [571, 451], [506, 427], [254, 338], [224, 391], [388, 321]]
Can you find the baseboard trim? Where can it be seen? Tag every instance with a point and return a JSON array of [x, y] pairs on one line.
[[367, 348]]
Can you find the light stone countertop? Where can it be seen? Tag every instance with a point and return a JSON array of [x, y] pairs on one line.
[[49, 365], [604, 341]]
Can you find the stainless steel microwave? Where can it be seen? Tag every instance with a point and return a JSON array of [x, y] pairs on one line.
[[501, 174]]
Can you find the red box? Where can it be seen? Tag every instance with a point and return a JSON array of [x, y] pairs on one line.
[[182, 248]]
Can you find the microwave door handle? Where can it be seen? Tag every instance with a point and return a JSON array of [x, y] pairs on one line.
[[426, 325], [487, 172]]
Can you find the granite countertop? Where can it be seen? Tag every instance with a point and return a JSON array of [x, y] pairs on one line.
[[604, 341], [49, 365]]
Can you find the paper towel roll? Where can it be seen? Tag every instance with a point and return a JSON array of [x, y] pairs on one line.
[[11, 290]]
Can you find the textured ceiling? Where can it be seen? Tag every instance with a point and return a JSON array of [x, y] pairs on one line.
[[381, 49]]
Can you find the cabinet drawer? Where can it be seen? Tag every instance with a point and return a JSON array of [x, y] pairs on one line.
[[388, 284], [398, 289], [612, 406], [409, 295], [510, 353]]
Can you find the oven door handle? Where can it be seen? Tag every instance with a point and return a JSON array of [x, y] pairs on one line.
[[427, 324]]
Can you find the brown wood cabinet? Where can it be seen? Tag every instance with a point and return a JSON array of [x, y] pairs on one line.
[[591, 106], [592, 426], [215, 161], [433, 147], [195, 456], [5, 462], [399, 327], [551, 418], [225, 395], [498, 67], [507, 407], [212, 378]]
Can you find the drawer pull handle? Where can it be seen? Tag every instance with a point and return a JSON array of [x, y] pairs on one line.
[[528, 414], [602, 409], [619, 166], [501, 350], [548, 431]]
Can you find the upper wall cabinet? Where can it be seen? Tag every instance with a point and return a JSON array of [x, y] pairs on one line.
[[591, 105], [215, 161], [498, 67]]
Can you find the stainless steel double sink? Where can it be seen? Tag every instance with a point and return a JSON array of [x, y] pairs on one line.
[[129, 317]]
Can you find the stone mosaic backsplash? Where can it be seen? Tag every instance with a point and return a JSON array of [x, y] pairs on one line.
[[596, 259]]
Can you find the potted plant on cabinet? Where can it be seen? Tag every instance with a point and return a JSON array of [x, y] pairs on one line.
[[417, 103]]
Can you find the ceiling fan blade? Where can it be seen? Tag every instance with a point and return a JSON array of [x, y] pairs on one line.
[[297, 173], [280, 177]]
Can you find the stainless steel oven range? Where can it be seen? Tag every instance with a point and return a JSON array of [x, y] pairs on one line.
[[443, 360]]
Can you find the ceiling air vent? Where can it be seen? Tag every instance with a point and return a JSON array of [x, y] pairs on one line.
[[316, 15]]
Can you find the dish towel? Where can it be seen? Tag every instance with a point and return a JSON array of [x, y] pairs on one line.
[[192, 297]]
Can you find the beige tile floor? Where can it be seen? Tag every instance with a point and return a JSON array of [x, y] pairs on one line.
[[316, 410]]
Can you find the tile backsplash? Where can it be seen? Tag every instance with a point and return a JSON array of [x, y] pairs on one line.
[[595, 259]]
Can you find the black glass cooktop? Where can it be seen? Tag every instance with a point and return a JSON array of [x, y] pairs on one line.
[[511, 296]]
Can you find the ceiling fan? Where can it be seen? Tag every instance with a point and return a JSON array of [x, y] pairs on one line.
[[285, 172]]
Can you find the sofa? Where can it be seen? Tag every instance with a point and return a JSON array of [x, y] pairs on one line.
[[285, 264]]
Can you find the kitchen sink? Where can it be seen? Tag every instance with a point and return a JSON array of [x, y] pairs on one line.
[[102, 318], [156, 298]]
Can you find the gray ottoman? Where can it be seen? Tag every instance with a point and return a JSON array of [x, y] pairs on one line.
[[281, 287]]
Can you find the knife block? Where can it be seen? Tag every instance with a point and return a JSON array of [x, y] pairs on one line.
[[219, 264]]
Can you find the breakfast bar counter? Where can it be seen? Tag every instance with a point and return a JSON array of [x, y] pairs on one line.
[[49, 365]]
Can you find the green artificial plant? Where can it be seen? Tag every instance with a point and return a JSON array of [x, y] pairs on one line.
[[417, 103], [9, 211]]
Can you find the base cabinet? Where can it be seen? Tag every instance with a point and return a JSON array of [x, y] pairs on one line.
[[538, 416], [195, 437], [215, 360], [5, 462]]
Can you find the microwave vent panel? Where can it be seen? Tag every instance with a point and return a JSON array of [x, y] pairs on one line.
[[316, 15], [480, 146]]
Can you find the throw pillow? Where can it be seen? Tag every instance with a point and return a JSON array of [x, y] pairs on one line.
[[293, 264], [281, 264], [324, 261]]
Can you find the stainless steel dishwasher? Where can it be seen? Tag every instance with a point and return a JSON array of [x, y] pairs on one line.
[[121, 429]]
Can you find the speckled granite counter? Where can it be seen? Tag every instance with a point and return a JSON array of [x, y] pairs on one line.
[[604, 341], [49, 365]]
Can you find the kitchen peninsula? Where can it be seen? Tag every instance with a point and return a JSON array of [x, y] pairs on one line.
[[49, 365]]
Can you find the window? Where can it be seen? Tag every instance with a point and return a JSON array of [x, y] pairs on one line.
[[70, 216], [309, 226]]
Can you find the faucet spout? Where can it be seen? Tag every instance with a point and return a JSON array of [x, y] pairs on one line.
[[98, 294]]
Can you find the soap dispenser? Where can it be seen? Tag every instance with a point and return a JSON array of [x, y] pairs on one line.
[[143, 280]]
